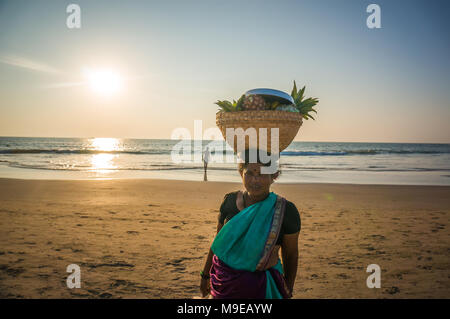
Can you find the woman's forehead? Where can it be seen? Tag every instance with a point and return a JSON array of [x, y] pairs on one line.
[[255, 167]]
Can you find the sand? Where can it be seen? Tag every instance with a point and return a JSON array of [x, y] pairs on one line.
[[149, 238]]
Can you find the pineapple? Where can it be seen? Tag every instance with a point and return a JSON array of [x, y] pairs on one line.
[[254, 103], [304, 106]]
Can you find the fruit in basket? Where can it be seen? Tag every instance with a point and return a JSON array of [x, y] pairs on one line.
[[254, 102], [288, 108], [268, 99]]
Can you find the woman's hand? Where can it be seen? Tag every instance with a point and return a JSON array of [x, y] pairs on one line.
[[289, 294], [289, 252], [205, 287]]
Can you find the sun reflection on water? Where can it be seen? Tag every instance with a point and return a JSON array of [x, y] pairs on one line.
[[101, 162], [105, 144], [104, 162]]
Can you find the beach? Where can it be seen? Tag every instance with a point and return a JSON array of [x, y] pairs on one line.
[[148, 238]]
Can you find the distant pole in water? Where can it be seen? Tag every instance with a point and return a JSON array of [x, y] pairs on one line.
[[206, 157]]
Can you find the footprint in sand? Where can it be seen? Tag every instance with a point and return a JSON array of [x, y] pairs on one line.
[[118, 283], [116, 264], [378, 237], [398, 276], [178, 265], [127, 285], [392, 290], [425, 267], [10, 271]]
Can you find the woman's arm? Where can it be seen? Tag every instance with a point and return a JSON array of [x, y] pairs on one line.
[[210, 254], [204, 284], [289, 251]]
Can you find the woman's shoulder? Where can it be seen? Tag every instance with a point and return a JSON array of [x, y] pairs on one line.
[[228, 207], [230, 195], [229, 200], [290, 206], [291, 222]]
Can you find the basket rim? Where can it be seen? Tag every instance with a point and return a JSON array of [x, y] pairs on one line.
[[256, 111]]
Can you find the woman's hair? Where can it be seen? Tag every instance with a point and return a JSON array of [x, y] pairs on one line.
[[245, 157]]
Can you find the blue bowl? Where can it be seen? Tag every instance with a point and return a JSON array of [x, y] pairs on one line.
[[271, 95]]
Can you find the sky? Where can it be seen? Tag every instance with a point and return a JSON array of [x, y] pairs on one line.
[[174, 59]]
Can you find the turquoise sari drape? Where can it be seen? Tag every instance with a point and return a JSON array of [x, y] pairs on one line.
[[242, 241]]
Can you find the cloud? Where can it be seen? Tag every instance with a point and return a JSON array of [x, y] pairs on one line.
[[63, 85], [25, 63]]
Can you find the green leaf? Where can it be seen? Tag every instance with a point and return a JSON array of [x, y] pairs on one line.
[[301, 93], [240, 102], [294, 91], [274, 105], [225, 105]]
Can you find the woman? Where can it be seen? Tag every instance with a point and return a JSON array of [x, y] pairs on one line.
[[253, 225]]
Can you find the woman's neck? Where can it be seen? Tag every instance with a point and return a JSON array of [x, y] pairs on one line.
[[251, 199]]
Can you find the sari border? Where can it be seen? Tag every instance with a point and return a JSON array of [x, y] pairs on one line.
[[274, 232]]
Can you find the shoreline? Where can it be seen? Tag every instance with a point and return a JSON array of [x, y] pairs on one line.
[[227, 182]]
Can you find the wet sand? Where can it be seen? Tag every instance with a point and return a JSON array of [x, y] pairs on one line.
[[148, 238]]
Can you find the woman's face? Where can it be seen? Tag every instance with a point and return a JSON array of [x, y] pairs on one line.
[[254, 182]]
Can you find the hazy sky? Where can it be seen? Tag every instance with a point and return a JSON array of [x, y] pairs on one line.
[[176, 58]]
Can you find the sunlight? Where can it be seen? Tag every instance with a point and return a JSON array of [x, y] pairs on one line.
[[105, 144], [103, 162], [105, 82]]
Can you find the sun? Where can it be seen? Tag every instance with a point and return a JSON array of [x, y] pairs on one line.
[[105, 82]]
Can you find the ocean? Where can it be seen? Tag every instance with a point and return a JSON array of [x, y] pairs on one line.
[[301, 162]]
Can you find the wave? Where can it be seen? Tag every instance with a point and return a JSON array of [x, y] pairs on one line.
[[358, 152], [59, 151], [87, 151], [224, 152], [170, 167], [369, 169]]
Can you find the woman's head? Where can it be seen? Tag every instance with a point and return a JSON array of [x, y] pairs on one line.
[[253, 178]]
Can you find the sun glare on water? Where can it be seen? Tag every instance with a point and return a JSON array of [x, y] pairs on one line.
[[105, 144], [105, 82], [103, 162]]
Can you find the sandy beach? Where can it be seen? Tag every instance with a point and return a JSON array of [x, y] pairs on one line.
[[148, 238]]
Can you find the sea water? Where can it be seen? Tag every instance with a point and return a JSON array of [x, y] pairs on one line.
[[301, 162]]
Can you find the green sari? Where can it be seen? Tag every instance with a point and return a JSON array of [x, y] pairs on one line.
[[243, 248]]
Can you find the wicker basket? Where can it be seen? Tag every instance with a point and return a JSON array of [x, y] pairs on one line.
[[288, 124]]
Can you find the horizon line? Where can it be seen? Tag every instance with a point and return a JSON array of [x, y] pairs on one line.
[[140, 138]]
